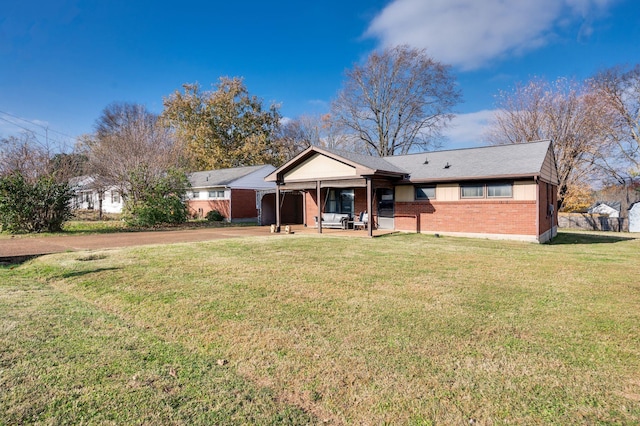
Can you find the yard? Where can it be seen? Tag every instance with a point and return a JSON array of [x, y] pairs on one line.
[[402, 329]]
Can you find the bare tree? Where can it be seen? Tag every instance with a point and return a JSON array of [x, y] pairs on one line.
[[130, 149], [317, 130], [565, 112], [398, 99], [619, 90], [25, 155]]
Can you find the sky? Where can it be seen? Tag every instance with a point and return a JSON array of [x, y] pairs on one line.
[[63, 61]]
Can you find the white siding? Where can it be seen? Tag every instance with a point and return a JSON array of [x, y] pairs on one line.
[[320, 167]]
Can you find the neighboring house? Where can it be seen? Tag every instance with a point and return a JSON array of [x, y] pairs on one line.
[[240, 194], [90, 196], [504, 191], [607, 208]]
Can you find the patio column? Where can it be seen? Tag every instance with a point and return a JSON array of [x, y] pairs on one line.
[[319, 207], [370, 206], [278, 207]]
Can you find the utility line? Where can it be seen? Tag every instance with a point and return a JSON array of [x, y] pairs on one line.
[[48, 139], [33, 124]]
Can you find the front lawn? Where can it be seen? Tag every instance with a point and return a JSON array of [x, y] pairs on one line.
[[402, 329]]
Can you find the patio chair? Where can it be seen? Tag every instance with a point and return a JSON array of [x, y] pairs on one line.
[[362, 221]]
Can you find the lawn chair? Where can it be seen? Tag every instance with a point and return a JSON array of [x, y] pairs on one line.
[[362, 221]]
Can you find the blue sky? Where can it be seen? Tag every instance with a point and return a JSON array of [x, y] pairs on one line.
[[62, 62]]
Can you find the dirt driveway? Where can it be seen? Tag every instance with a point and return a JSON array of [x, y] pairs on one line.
[[30, 245], [26, 246]]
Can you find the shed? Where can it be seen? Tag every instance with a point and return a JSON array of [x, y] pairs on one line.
[[634, 217]]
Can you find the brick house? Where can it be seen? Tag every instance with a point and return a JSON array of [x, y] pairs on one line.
[[502, 192], [235, 192]]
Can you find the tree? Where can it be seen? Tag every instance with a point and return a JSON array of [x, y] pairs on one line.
[[23, 155], [34, 190], [398, 99], [307, 130], [226, 127], [160, 202], [618, 88], [565, 112], [132, 151]]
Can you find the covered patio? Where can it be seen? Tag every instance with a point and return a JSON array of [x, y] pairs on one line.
[[344, 184]]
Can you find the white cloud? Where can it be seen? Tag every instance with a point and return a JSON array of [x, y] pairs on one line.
[[468, 130], [470, 33]]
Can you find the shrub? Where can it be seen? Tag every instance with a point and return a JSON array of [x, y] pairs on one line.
[[158, 202], [42, 205], [214, 216]]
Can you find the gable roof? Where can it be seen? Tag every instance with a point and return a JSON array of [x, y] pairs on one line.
[[488, 162], [614, 205], [225, 177], [496, 161]]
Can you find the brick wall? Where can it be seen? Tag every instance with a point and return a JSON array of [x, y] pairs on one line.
[[243, 204], [468, 216], [207, 205], [548, 195]]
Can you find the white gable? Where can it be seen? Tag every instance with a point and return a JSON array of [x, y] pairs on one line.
[[320, 167]]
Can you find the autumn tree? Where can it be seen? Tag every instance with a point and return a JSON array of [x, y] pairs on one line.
[[400, 98], [132, 151], [565, 112], [225, 127]]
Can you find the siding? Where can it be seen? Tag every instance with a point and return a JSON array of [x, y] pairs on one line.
[[320, 167]]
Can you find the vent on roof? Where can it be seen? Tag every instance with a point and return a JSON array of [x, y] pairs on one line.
[[446, 166], [426, 161]]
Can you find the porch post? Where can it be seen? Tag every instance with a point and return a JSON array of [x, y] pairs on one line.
[[278, 207], [370, 206], [319, 207], [304, 208]]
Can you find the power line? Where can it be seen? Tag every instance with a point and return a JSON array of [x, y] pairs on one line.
[[33, 132], [33, 124]]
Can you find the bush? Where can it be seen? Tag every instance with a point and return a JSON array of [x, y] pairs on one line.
[[159, 202], [43, 205], [214, 216]]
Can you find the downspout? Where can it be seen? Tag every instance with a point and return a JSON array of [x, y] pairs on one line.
[[230, 198], [537, 181]]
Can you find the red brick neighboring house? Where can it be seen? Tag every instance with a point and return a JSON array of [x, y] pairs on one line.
[[502, 192], [236, 192]]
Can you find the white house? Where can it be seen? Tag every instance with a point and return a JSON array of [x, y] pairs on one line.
[[89, 196]]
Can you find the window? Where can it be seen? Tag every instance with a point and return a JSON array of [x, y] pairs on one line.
[[493, 190], [115, 197], [499, 190], [425, 193], [340, 201], [472, 191], [216, 194], [195, 195]]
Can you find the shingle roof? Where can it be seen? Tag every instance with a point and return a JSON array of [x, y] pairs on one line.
[[490, 161], [221, 177], [371, 162]]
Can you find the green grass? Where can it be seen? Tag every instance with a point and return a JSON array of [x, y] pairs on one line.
[[403, 329]]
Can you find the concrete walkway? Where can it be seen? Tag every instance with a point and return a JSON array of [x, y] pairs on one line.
[[26, 246]]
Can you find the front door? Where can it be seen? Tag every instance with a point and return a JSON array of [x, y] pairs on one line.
[[385, 208]]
